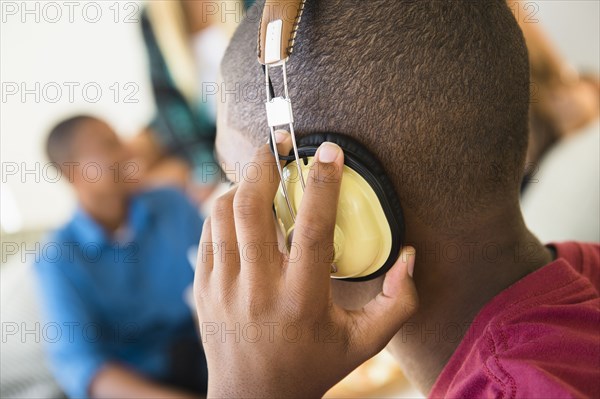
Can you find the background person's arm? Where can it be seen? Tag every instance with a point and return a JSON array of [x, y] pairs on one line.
[[76, 354], [116, 381], [562, 101]]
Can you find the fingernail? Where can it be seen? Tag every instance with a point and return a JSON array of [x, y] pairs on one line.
[[410, 254], [411, 268], [281, 136], [328, 152]]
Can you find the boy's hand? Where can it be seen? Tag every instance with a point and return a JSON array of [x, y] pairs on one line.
[[268, 323]]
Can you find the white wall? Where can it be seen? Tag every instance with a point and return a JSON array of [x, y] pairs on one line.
[[74, 49], [574, 26]]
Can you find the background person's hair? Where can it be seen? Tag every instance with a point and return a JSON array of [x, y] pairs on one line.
[[58, 143], [437, 90]]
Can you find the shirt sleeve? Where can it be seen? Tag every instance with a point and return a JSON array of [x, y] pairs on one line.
[[195, 222], [75, 351]]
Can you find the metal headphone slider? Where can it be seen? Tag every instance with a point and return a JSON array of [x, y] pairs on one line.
[[279, 109]]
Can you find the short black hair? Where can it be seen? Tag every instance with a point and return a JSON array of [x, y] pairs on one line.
[[438, 90], [58, 143]]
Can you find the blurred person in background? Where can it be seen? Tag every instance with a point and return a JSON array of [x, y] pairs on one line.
[[115, 284]]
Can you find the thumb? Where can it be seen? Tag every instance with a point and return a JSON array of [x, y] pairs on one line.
[[377, 322]]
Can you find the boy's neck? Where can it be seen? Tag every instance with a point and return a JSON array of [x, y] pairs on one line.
[[455, 279]]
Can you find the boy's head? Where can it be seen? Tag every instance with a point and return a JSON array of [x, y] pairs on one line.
[[90, 155], [437, 90]]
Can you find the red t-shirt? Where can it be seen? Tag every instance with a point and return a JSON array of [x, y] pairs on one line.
[[538, 338]]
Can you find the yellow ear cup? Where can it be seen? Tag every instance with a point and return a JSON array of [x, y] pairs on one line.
[[362, 238]]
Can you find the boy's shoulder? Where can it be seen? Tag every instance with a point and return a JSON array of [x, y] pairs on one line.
[[538, 338]]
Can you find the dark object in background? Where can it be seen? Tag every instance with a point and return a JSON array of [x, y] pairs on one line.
[[180, 129], [188, 366]]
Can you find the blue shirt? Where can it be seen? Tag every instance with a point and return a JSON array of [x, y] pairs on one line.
[[119, 301]]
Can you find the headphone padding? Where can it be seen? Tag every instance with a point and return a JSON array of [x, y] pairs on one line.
[[355, 152]]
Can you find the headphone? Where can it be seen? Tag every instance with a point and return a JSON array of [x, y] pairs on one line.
[[369, 229]]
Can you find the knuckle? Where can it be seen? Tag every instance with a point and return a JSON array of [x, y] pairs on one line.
[[323, 176], [409, 305], [225, 297], [308, 235], [294, 308], [200, 289], [246, 205], [223, 207], [255, 307], [313, 230], [298, 307]]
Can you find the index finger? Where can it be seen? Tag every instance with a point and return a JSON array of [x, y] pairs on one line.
[[253, 202], [312, 251]]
